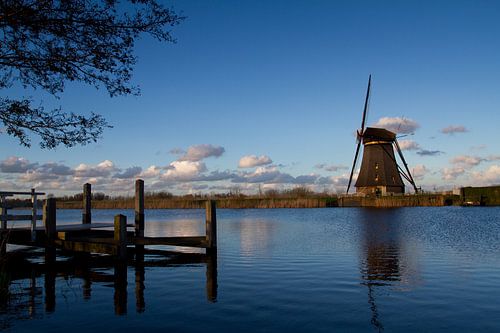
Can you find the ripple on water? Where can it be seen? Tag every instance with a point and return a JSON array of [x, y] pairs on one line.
[[315, 270]]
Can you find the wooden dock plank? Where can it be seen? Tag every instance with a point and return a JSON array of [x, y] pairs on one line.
[[194, 241], [79, 234], [11, 193], [86, 246], [72, 227], [19, 217], [75, 227]]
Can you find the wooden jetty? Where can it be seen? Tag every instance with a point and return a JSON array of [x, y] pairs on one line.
[[90, 237]]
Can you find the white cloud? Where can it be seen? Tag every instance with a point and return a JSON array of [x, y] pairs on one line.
[[419, 171], [264, 175], [452, 173], [11, 185], [408, 145], [454, 129], [271, 175], [490, 176], [340, 182], [397, 124], [306, 179], [129, 173], [251, 161], [466, 161], [55, 169], [184, 171], [36, 176], [200, 152], [103, 169], [493, 158], [151, 172], [16, 164], [114, 185], [217, 175]]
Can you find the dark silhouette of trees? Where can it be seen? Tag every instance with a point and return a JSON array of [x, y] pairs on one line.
[[46, 43]]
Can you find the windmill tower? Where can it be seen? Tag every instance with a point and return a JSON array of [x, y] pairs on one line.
[[380, 173]]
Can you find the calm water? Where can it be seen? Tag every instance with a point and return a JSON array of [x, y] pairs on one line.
[[287, 270]]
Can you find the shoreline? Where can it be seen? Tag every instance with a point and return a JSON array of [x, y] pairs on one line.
[[420, 200]]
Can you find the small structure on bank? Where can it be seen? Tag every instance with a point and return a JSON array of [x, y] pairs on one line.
[[380, 174]]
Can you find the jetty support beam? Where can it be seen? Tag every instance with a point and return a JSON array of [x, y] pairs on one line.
[[120, 236], [139, 215], [33, 214], [3, 231], [87, 204], [49, 219], [49, 224], [211, 276], [211, 225]]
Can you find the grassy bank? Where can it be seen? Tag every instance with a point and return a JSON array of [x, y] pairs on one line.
[[189, 203], [419, 200], [295, 198]]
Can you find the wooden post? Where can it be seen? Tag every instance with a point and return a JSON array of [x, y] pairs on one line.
[[120, 274], [87, 204], [3, 213], [211, 274], [33, 215], [121, 236], [139, 215], [49, 223], [211, 224], [3, 232], [140, 304], [50, 288], [49, 219], [32, 304], [87, 286], [120, 284]]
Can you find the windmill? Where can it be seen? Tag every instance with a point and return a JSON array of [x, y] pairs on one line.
[[380, 173]]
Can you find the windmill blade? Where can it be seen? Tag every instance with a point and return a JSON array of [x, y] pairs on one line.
[[401, 171], [353, 166], [366, 104], [411, 180]]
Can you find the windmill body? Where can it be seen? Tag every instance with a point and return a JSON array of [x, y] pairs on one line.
[[379, 172]]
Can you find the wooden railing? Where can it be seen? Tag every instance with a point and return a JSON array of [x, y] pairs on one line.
[[33, 217]]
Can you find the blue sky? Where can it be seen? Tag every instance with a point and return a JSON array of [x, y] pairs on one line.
[[285, 81]]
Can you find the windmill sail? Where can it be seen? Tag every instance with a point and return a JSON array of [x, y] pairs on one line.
[[360, 132]]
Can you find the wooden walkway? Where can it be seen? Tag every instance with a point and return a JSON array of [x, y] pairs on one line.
[[108, 238]]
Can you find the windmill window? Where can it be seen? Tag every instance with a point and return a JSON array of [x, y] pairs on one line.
[[376, 166], [376, 178]]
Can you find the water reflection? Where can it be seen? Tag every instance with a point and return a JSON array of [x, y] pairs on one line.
[[382, 248], [22, 293], [255, 235]]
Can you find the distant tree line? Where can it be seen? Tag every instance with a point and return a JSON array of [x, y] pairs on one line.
[[233, 193]]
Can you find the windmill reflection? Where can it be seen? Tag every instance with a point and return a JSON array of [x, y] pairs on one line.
[[23, 298], [381, 255]]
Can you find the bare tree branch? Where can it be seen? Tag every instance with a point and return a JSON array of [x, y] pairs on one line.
[[44, 44]]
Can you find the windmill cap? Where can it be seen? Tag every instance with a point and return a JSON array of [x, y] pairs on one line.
[[378, 134]]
